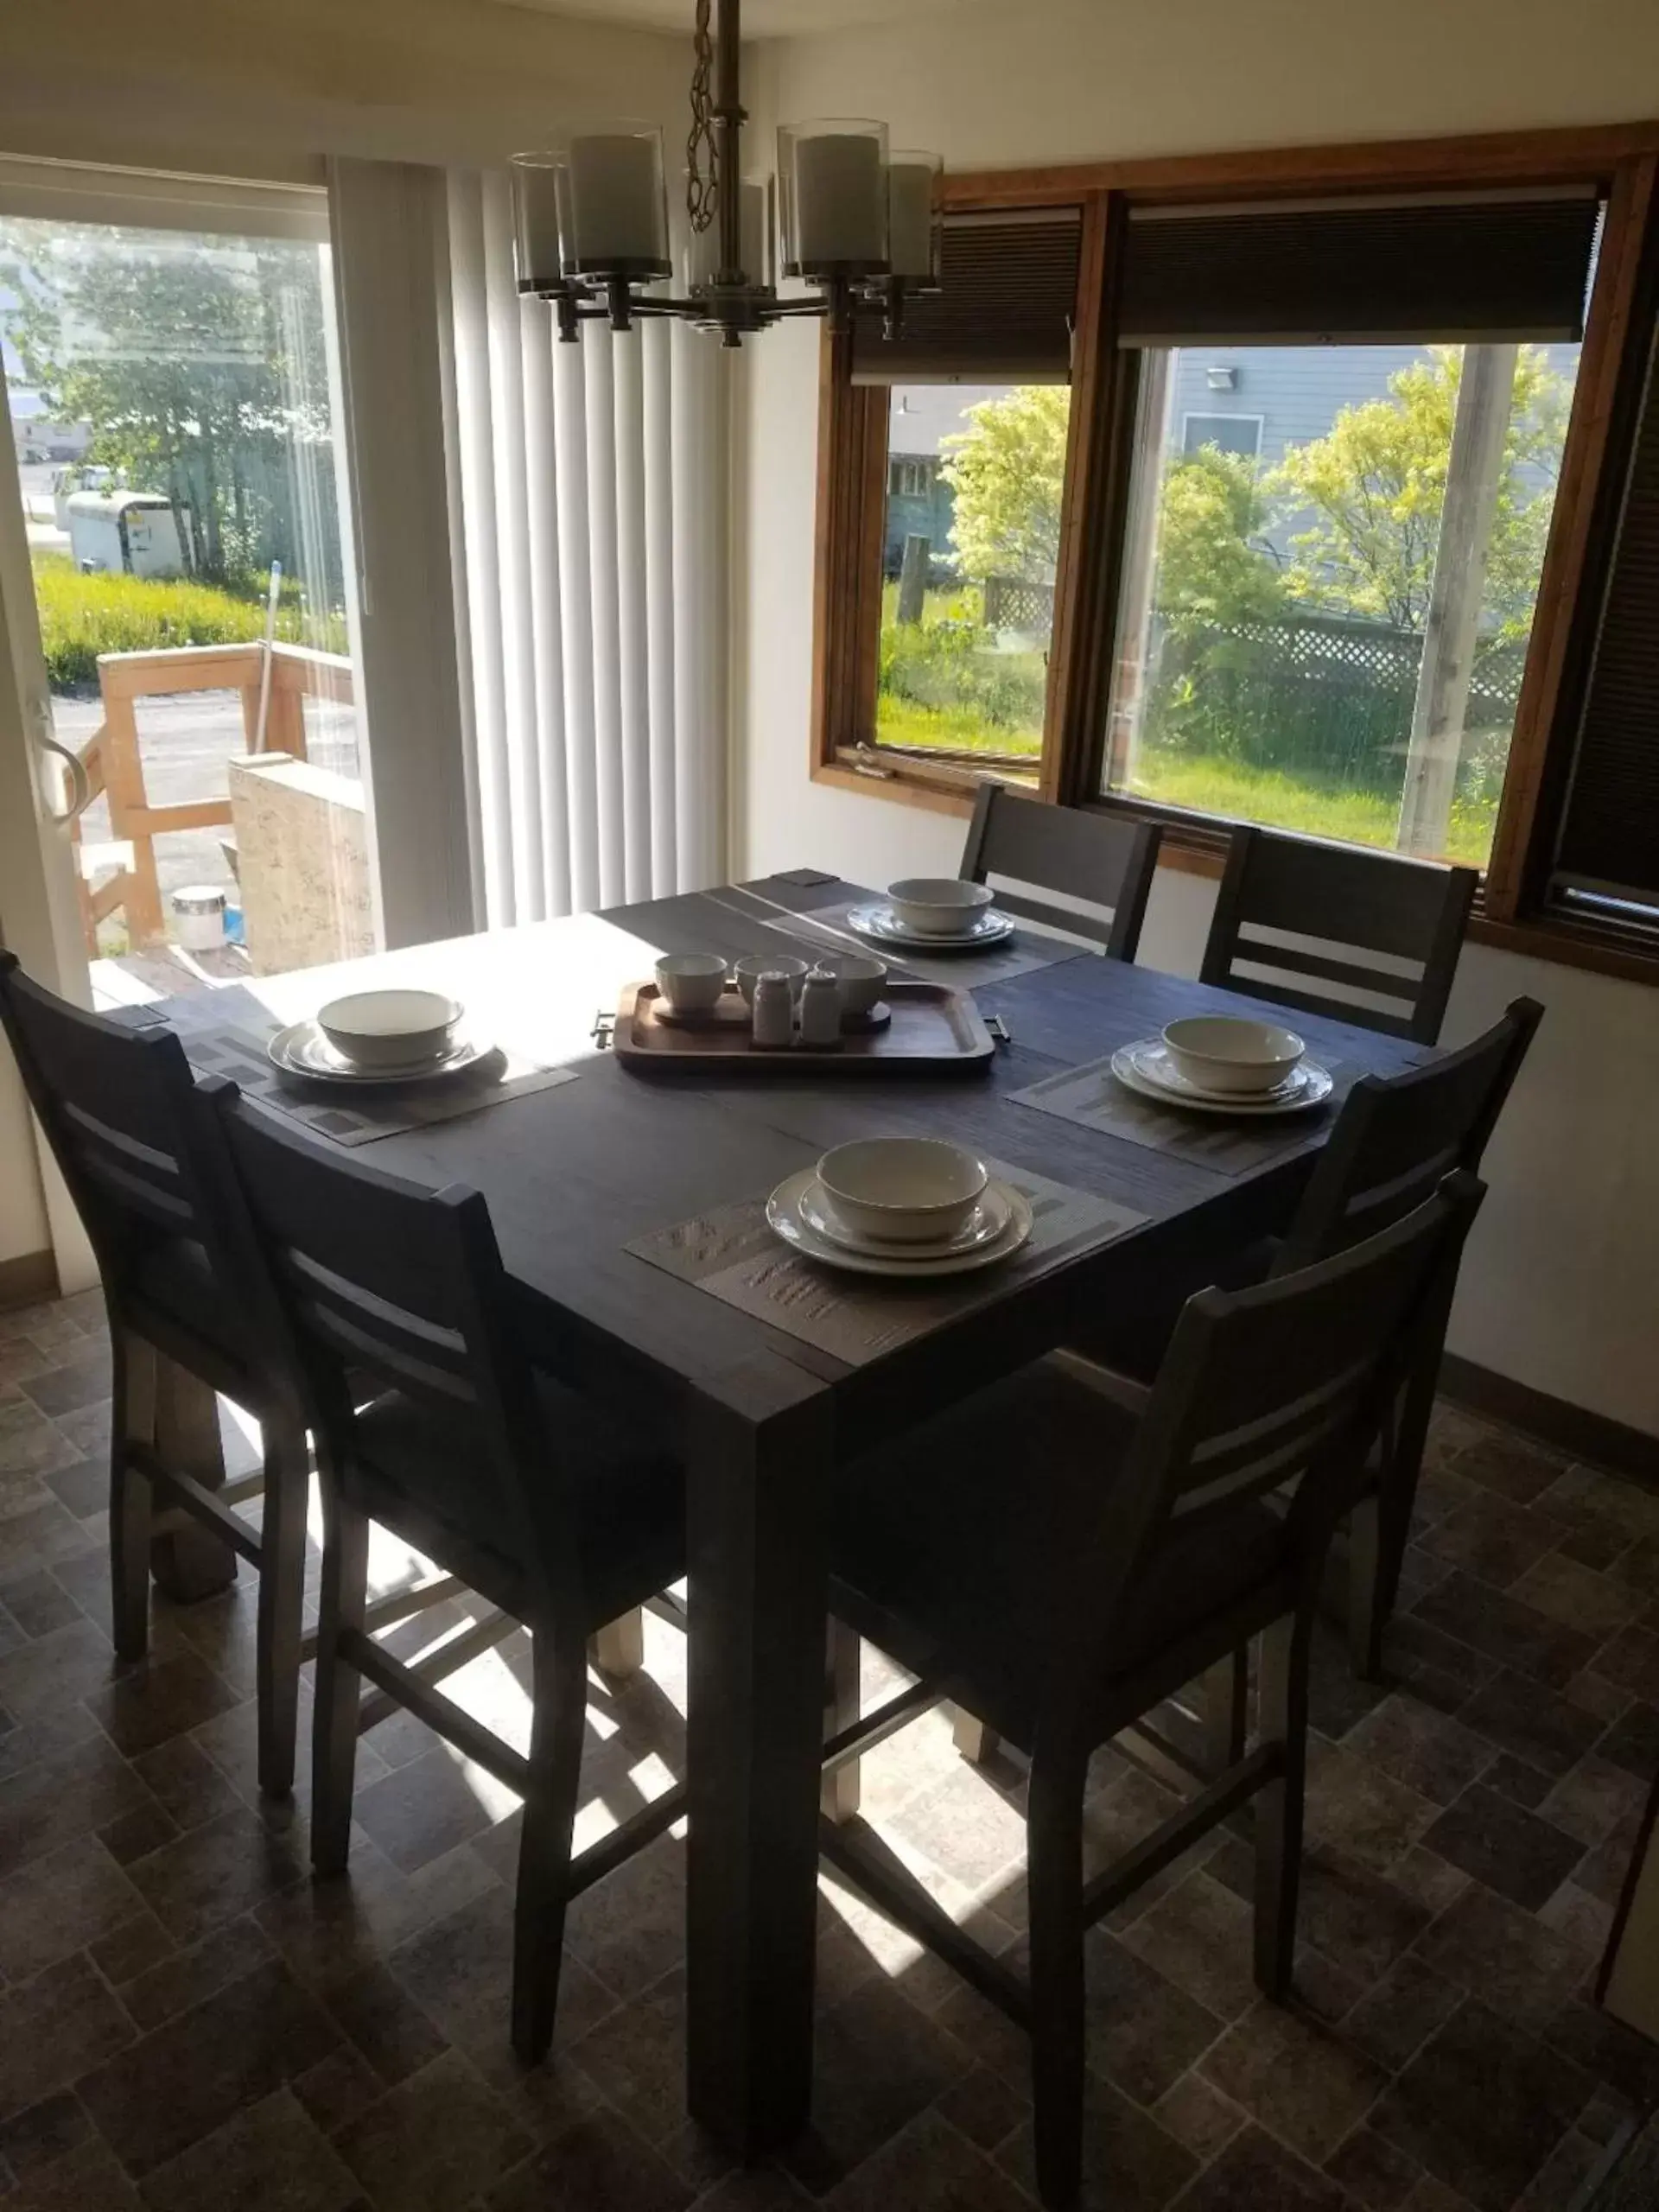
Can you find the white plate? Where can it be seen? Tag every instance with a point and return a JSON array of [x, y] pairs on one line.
[[1153, 1059], [784, 1213], [301, 1048], [1135, 1066], [984, 1225], [882, 925]]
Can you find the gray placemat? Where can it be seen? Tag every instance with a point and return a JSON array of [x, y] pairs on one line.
[[1092, 1096], [224, 1033], [826, 930], [732, 1254]]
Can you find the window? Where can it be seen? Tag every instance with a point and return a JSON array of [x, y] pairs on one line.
[[908, 479], [1229, 433]]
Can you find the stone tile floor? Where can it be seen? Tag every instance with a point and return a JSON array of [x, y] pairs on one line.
[[185, 2022]]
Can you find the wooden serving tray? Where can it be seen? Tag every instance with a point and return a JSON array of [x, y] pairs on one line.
[[935, 1030]]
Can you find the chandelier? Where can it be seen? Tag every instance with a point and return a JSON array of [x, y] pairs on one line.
[[843, 214]]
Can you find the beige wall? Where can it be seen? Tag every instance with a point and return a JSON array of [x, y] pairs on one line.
[[1561, 1289]]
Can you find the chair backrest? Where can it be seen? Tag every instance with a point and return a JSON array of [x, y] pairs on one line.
[[386, 1285], [119, 1110], [1398, 1136], [1104, 861], [1285, 1383], [1307, 924]]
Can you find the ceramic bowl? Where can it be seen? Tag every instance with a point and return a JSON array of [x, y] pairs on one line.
[[769, 963], [938, 906], [901, 1190], [389, 1029], [691, 981], [862, 976], [1222, 1052]]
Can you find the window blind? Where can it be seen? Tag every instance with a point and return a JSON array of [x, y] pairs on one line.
[[1003, 313], [1487, 268], [1609, 837]]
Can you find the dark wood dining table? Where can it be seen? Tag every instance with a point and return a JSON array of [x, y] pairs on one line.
[[763, 1418]]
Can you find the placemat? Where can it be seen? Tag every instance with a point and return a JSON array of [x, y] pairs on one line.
[[732, 1254], [826, 927], [1093, 1097], [225, 1038]]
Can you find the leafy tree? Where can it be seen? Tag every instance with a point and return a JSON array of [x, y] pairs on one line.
[[1376, 483], [1209, 572], [198, 363], [1006, 470]]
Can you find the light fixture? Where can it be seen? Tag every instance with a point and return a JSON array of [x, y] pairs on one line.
[[859, 223]]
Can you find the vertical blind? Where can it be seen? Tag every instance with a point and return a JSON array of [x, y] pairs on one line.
[[590, 565]]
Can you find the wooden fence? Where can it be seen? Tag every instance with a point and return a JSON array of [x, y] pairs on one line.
[[114, 761]]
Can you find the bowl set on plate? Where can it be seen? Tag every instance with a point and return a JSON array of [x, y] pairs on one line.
[[386, 1036]]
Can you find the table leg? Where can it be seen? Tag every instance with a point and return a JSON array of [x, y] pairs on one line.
[[759, 1464], [188, 1561]]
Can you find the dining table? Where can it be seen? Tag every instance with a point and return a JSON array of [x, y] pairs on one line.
[[762, 1415]]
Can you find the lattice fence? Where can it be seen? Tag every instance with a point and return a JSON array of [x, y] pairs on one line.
[[1015, 603]]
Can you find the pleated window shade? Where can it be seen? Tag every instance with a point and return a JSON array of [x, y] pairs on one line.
[[1609, 837], [589, 551], [1004, 312], [1490, 267]]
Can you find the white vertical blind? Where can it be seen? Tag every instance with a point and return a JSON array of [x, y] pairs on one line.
[[593, 534]]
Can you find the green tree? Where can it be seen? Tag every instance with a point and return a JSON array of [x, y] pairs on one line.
[[198, 363], [1210, 573], [1007, 471], [1375, 484]]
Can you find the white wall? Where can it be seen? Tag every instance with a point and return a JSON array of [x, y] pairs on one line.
[[1561, 1289]]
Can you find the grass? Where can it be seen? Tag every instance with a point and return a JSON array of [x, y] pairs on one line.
[[954, 730], [82, 616]]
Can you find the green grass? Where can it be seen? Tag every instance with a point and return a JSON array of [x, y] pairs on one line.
[[956, 729], [82, 616]]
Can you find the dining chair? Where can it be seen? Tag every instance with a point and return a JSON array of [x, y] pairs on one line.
[[1310, 925], [146, 1172], [1104, 863], [1059, 1566], [430, 1421]]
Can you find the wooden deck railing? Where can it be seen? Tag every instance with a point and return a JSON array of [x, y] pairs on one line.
[[114, 762]]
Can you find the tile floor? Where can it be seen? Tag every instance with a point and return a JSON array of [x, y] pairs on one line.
[[186, 2023]]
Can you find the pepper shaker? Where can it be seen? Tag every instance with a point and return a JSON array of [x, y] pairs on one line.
[[774, 1010], [821, 1009]]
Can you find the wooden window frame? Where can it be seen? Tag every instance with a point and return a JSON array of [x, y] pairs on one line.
[[1622, 159]]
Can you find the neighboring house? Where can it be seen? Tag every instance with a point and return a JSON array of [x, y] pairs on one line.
[[919, 501]]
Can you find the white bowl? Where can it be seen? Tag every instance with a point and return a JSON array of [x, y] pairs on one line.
[[938, 906], [389, 1029], [769, 963], [861, 976], [901, 1190], [691, 981], [1223, 1051]]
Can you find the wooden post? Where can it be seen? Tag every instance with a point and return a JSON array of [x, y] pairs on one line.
[[912, 578], [1473, 472], [123, 779]]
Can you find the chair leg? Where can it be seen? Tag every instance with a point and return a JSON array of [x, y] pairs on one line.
[[557, 1721], [1397, 1500], [1279, 1804], [189, 1560], [975, 1742], [1225, 1690], [1367, 1609], [619, 1648], [281, 1581], [132, 1421], [838, 1795], [344, 1603], [1054, 1873]]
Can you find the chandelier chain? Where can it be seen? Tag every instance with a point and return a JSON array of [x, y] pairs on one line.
[[701, 159]]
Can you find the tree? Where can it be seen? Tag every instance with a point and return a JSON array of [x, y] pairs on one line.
[[198, 363], [1210, 573], [1007, 471], [1376, 483]]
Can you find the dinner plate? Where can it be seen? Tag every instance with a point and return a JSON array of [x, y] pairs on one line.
[[1154, 1060], [784, 1213], [1136, 1067], [302, 1050], [983, 1226], [883, 926]]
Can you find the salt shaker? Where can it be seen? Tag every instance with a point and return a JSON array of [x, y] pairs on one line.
[[821, 1009], [774, 1010]]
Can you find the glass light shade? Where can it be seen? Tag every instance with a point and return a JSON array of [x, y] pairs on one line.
[[755, 231], [913, 229], [833, 186], [540, 218], [618, 210]]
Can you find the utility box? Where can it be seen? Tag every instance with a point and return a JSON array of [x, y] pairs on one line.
[[125, 533]]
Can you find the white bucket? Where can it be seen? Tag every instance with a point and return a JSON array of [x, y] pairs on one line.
[[199, 917]]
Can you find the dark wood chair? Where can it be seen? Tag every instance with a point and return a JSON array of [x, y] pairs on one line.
[[430, 1420], [1059, 1566], [145, 1169], [1306, 925], [1105, 862]]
